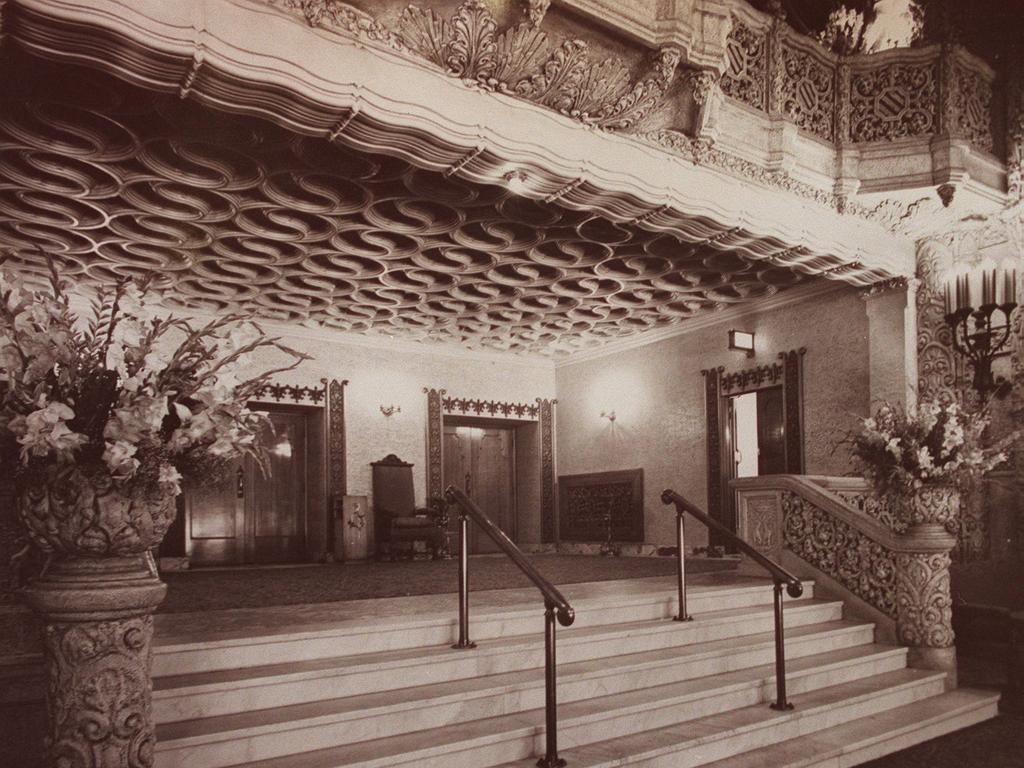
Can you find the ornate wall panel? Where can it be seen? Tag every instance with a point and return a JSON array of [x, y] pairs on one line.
[[337, 477], [880, 509], [548, 512], [435, 443], [461, 406], [746, 74], [865, 567], [601, 506], [894, 101], [970, 107], [924, 603], [808, 91], [751, 379]]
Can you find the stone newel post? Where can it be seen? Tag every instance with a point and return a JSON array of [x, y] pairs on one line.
[[98, 627]]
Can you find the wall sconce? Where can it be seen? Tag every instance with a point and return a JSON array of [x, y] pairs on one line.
[[390, 410], [743, 341], [610, 415], [972, 298], [515, 181]]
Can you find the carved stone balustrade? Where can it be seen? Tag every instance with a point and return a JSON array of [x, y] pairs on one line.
[[831, 530]]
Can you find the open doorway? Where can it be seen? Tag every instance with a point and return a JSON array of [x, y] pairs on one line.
[[757, 427]]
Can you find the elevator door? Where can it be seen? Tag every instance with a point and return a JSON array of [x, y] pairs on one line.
[[479, 460], [248, 517]]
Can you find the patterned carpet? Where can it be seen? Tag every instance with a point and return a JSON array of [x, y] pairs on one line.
[[256, 587]]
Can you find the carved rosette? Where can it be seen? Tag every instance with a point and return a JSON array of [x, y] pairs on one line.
[[925, 608]]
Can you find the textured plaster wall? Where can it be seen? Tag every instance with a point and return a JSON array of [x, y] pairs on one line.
[[657, 394], [396, 375]]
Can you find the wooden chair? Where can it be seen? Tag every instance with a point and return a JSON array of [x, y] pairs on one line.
[[399, 523]]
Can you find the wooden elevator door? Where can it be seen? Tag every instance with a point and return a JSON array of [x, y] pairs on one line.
[[480, 461], [247, 517]]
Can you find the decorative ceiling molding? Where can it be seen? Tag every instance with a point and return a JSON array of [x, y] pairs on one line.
[[258, 60]]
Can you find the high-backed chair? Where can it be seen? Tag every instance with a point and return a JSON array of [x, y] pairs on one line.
[[399, 523]]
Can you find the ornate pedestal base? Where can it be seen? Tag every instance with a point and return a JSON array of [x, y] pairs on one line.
[[98, 629]]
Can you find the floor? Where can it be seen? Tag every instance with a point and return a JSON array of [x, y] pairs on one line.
[[214, 589]]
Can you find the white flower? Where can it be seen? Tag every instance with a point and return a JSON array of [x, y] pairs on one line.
[[44, 430], [893, 447], [170, 475], [119, 457]]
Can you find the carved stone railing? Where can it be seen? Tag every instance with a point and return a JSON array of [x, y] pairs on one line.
[[897, 94], [826, 529]]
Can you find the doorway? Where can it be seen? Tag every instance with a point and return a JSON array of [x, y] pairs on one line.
[[245, 517], [480, 460]]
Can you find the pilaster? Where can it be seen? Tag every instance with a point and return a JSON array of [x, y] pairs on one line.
[[892, 343]]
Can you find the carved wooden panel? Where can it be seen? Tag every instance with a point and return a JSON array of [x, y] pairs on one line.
[[893, 102], [548, 513], [601, 506], [746, 74], [435, 443], [462, 406]]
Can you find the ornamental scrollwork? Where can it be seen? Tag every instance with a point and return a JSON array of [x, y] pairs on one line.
[[435, 437], [878, 508], [894, 102], [293, 392], [808, 92], [865, 567], [923, 600], [746, 74], [522, 60], [971, 108], [99, 693], [752, 378], [548, 520]]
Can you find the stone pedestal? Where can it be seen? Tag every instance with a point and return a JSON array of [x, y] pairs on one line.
[[924, 606], [98, 628]]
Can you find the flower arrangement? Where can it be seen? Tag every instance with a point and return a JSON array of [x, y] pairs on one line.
[[133, 399], [938, 443]]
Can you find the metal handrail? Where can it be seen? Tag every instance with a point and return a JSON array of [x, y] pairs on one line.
[[555, 607], [780, 576]]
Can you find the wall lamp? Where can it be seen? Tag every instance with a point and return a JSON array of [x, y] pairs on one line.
[[743, 341], [973, 297], [610, 415], [390, 410]]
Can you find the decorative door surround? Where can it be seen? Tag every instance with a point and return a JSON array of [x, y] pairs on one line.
[[719, 385], [541, 411]]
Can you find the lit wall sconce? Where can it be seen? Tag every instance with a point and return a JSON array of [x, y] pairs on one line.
[[390, 410], [972, 298], [743, 341], [515, 181], [610, 415]]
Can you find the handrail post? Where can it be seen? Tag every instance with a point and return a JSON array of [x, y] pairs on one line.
[[464, 641], [551, 758], [680, 545], [780, 654]]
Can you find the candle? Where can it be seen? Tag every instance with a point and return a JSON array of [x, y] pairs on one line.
[[947, 300]]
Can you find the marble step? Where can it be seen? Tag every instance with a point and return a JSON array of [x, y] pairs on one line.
[[478, 732], [874, 736], [190, 696], [719, 737], [175, 655]]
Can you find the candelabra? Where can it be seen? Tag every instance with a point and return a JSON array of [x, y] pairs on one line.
[[978, 334]]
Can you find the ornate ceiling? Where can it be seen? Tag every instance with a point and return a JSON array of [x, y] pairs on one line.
[[234, 212]]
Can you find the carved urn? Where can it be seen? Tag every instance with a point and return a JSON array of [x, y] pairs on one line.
[[77, 511], [933, 504]]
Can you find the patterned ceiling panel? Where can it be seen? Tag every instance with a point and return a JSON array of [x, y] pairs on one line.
[[232, 212]]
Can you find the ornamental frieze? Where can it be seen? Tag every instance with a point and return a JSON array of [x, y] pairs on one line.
[[746, 74], [894, 102], [522, 61], [808, 92]]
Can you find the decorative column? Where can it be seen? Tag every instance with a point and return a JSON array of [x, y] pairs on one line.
[[924, 618], [548, 513], [435, 443], [98, 628], [892, 342]]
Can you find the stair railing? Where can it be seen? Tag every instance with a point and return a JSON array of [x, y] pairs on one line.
[[555, 606], [780, 576]]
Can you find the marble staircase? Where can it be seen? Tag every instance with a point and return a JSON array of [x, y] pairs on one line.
[[635, 688]]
